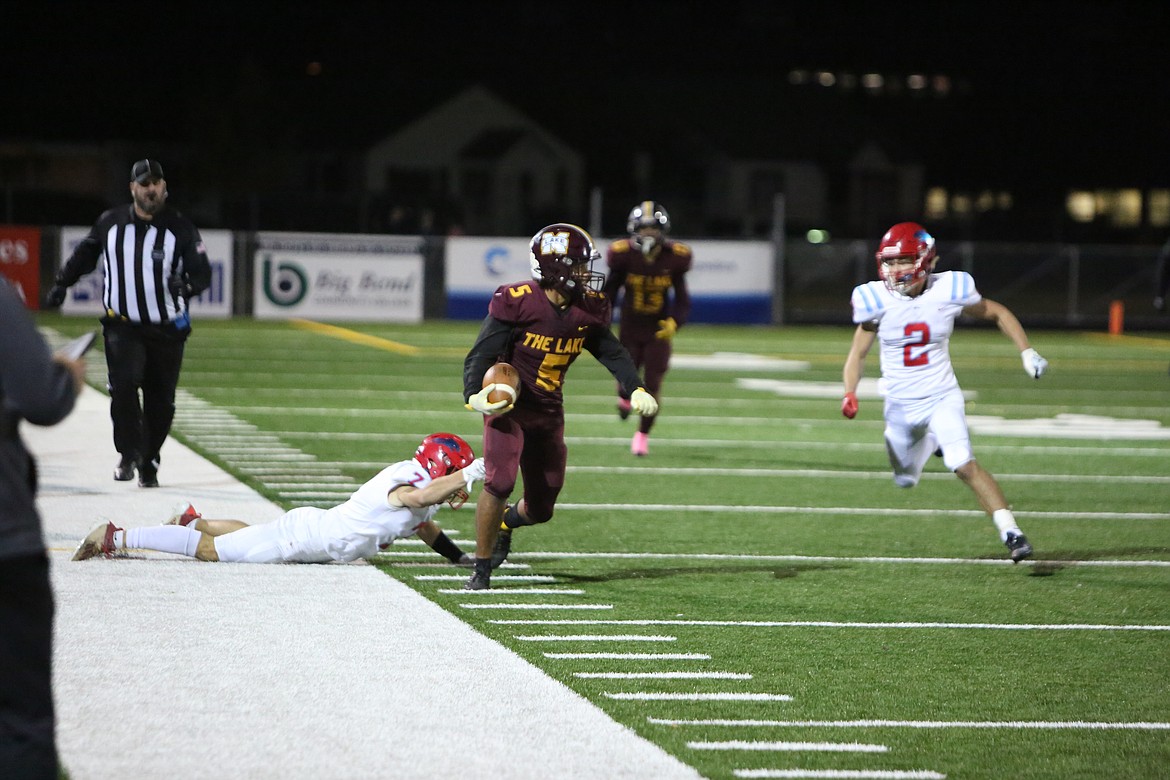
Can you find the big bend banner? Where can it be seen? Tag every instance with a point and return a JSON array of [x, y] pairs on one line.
[[338, 277], [20, 261]]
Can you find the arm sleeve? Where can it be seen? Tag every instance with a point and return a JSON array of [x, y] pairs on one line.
[[196, 266], [613, 284], [84, 258], [35, 387], [604, 346], [682, 299], [490, 346]]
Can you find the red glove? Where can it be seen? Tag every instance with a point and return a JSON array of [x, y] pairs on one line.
[[849, 405]]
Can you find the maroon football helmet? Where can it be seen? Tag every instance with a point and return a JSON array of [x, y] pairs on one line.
[[907, 240], [647, 225], [562, 258]]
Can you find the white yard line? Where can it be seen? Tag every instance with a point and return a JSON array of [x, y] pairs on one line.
[[842, 774], [840, 624], [671, 696], [1076, 725], [823, 747], [539, 555], [628, 656]]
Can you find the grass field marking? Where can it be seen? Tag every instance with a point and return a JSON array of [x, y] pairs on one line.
[[843, 774], [838, 473], [512, 591], [839, 624], [628, 656], [922, 724], [858, 510], [595, 638], [804, 558], [1060, 427], [663, 675], [495, 577], [537, 606], [668, 696], [848, 446], [353, 337], [828, 747]]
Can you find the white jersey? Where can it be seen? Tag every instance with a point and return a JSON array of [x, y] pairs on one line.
[[915, 333], [359, 528]]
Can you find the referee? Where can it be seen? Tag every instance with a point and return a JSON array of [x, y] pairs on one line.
[[154, 261]]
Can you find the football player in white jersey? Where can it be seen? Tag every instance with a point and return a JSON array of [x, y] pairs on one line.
[[398, 502], [912, 312]]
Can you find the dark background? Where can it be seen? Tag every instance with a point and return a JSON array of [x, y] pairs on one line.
[[1044, 95]]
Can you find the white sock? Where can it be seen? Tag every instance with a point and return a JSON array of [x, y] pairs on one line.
[[177, 539], [1005, 521]]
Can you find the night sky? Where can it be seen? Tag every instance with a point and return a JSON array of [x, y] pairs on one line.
[[1078, 87]]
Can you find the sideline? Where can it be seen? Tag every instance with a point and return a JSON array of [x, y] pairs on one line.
[[167, 667]]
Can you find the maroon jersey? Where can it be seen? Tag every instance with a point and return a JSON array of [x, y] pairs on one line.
[[542, 341], [646, 284]]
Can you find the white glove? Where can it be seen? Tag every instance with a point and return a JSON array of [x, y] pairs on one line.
[[643, 403], [1034, 365], [474, 473], [479, 402]]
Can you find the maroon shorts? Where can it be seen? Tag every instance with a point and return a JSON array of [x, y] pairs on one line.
[[530, 442]]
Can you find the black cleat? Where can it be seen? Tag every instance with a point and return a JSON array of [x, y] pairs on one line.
[[124, 471], [502, 547], [1019, 547], [148, 474], [479, 581]]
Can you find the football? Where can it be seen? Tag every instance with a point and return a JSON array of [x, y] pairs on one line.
[[502, 374]]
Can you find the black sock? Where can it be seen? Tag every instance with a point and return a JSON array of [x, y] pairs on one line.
[[483, 566]]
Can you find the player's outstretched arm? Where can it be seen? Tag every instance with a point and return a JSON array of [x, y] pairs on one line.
[[437, 491], [863, 339], [986, 309]]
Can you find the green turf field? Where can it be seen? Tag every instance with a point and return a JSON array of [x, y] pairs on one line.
[[756, 596]]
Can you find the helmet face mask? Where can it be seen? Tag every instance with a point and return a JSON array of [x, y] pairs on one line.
[[906, 255], [647, 225], [561, 256]]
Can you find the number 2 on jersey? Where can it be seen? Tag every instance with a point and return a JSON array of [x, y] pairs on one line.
[[909, 356]]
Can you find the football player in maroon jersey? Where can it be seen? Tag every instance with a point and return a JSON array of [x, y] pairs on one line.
[[540, 326], [646, 267]]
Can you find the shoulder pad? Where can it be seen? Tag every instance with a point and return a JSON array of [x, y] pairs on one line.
[[680, 248], [621, 245]]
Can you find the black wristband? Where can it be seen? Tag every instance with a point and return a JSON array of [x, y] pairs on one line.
[[447, 548]]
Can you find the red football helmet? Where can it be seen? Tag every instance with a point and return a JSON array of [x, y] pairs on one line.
[[562, 258], [647, 214], [906, 240], [445, 453]]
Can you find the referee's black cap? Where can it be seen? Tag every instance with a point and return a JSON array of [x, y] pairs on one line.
[[146, 171]]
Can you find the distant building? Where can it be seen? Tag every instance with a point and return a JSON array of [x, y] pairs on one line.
[[479, 164]]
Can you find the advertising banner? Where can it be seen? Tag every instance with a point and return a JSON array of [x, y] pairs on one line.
[[85, 297], [20, 261], [731, 281], [338, 286]]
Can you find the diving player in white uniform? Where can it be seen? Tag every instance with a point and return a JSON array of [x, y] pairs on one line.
[[912, 312], [398, 502]]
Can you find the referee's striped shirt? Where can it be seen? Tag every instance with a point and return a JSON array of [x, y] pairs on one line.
[[140, 257]]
